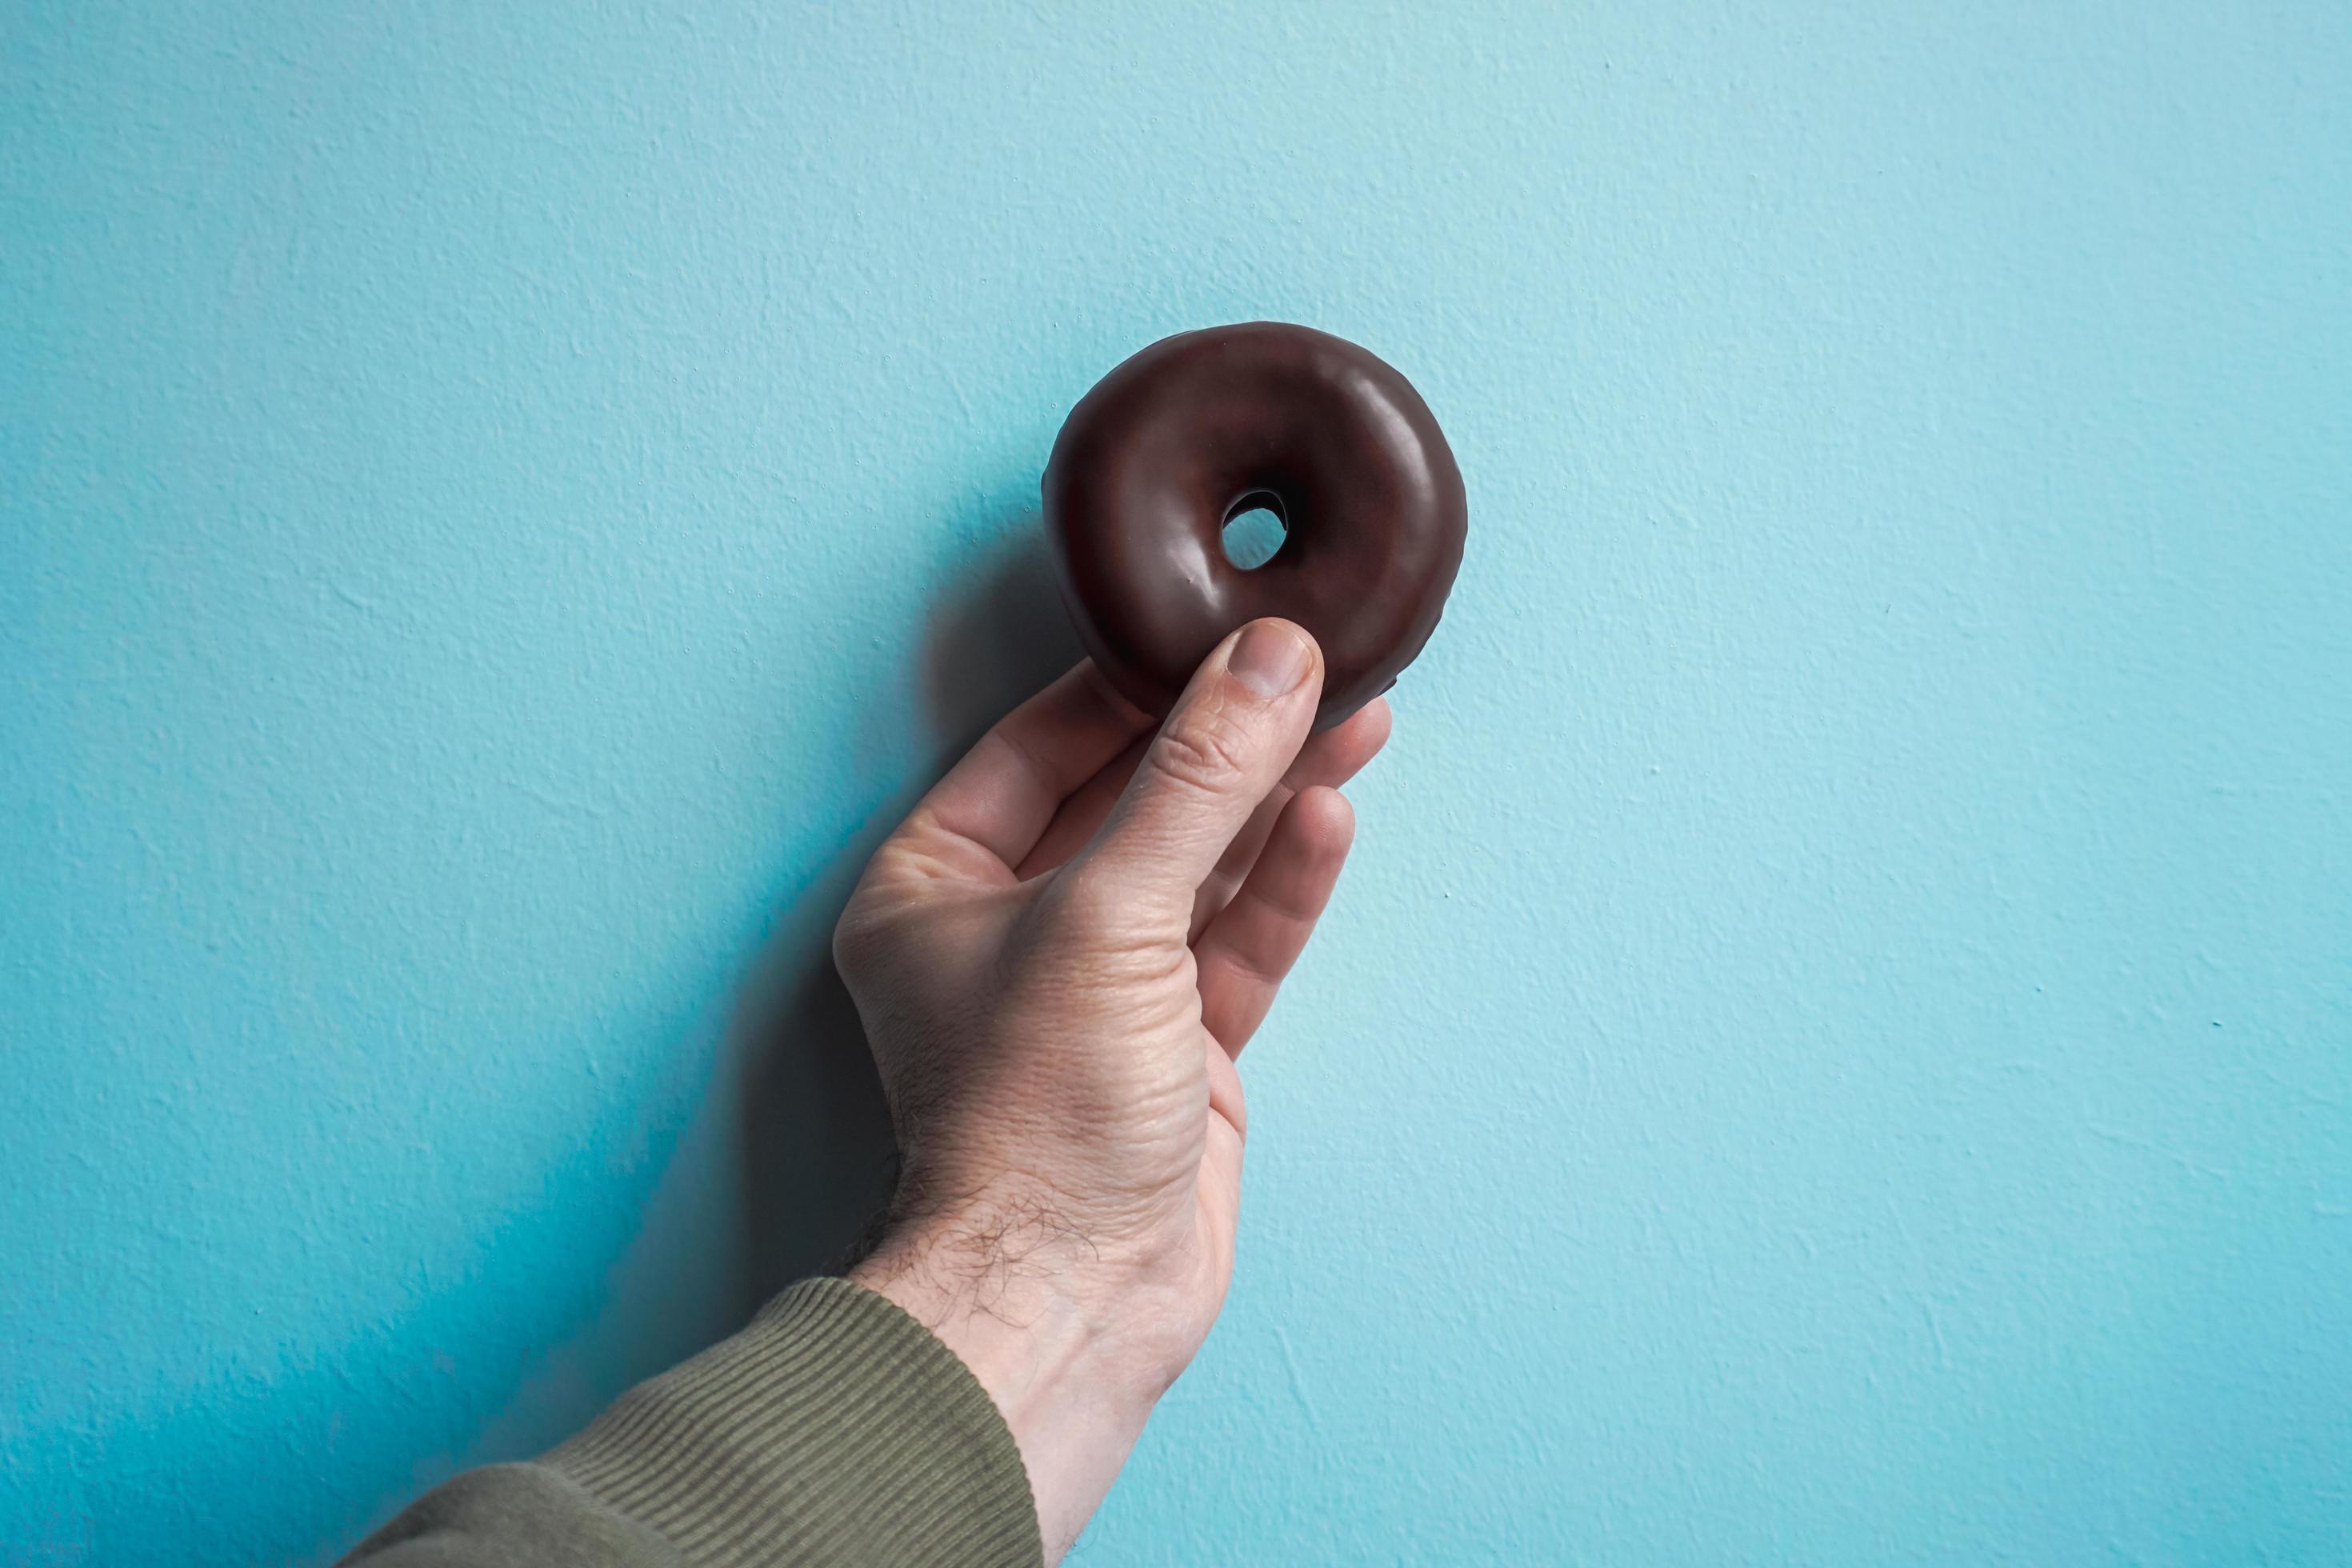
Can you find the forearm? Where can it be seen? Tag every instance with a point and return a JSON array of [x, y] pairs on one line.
[[836, 1430]]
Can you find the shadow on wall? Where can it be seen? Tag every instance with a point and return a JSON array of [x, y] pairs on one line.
[[819, 1158], [784, 1162]]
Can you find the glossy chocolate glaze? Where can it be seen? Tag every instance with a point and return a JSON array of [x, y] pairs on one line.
[[1201, 428]]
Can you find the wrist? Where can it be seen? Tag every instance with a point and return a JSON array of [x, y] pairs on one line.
[[1065, 1343]]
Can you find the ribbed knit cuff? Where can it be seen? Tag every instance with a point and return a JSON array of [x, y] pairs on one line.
[[836, 1430]]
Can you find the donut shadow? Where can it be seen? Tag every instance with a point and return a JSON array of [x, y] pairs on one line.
[[819, 1158], [997, 635]]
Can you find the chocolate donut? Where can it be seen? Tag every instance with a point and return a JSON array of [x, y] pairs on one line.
[[1198, 428]]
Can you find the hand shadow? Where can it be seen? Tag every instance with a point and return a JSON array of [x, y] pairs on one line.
[[819, 1158]]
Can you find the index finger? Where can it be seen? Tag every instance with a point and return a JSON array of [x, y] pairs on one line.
[[1000, 798]]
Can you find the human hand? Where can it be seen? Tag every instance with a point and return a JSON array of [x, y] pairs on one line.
[[1056, 957]]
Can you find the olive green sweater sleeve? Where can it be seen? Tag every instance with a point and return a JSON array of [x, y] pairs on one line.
[[836, 1431]]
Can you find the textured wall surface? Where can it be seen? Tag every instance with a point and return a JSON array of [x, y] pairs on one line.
[[1836, 1044]]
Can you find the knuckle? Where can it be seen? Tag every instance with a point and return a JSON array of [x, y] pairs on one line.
[[861, 939], [1206, 750], [1088, 900], [853, 944], [1100, 911]]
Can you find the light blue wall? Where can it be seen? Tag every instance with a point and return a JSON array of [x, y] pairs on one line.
[[1836, 1044]]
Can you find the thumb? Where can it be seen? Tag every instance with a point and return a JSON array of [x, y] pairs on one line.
[[1229, 739]]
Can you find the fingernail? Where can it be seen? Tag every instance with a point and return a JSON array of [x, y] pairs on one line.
[[1270, 658]]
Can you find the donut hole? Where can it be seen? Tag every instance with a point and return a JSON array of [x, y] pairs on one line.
[[1255, 530]]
